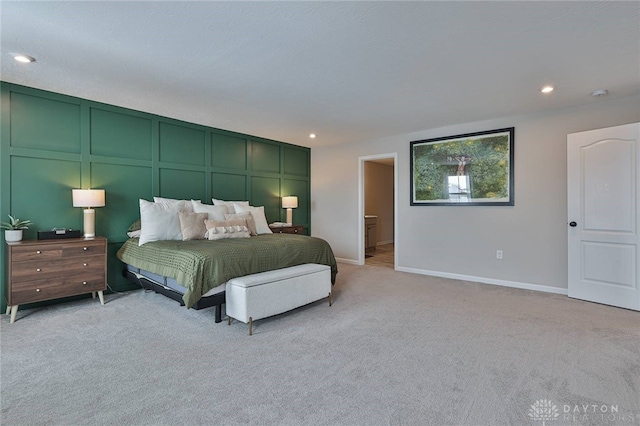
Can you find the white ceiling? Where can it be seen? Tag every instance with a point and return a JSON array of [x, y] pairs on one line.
[[348, 71]]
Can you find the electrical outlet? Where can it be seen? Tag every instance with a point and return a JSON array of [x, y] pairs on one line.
[[499, 254]]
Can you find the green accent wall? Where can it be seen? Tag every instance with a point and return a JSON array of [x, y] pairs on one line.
[[51, 143]]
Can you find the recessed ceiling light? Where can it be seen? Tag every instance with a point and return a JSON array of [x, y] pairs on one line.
[[24, 58], [547, 89], [312, 135], [599, 92]]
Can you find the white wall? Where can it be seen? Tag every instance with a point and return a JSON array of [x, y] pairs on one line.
[[460, 241]]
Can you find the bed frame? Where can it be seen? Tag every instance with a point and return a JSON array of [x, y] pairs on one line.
[[205, 302]]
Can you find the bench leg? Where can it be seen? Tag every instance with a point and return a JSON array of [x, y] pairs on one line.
[[330, 300], [250, 324]]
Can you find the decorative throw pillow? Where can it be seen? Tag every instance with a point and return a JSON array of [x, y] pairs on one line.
[[218, 230], [251, 224], [214, 212], [184, 205], [229, 204], [158, 221], [192, 225], [262, 227], [135, 226]]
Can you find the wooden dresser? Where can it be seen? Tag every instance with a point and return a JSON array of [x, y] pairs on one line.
[[293, 229], [40, 270]]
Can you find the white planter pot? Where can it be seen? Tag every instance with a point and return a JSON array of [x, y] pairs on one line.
[[13, 235]]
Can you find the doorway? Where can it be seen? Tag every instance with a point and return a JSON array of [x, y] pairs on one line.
[[378, 210]]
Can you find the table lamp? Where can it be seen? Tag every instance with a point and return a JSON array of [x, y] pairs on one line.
[[290, 202], [88, 198]]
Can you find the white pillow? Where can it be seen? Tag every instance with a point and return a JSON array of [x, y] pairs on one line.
[[229, 204], [262, 227], [158, 221], [214, 212], [184, 205]]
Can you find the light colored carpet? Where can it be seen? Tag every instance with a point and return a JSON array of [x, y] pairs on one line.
[[394, 349]]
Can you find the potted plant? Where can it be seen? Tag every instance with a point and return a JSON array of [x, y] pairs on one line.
[[13, 228]]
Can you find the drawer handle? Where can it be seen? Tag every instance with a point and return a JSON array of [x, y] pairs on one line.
[[37, 290], [84, 248], [38, 270], [295, 231], [38, 252], [84, 264], [84, 283]]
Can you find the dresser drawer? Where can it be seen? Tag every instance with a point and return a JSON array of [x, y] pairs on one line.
[[36, 252], [294, 229], [79, 250], [36, 291], [48, 251], [51, 269]]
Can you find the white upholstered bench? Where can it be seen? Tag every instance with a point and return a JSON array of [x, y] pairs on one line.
[[262, 295]]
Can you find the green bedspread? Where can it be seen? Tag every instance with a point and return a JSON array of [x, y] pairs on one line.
[[200, 265]]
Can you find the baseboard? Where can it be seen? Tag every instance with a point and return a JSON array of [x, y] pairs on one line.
[[349, 261], [472, 278], [483, 280], [382, 243]]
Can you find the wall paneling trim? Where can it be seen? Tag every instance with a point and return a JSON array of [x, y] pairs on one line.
[[51, 143]]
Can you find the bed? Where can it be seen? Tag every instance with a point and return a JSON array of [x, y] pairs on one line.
[[194, 272]]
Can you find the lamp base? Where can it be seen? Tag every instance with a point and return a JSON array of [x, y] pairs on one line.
[[89, 223], [289, 217]]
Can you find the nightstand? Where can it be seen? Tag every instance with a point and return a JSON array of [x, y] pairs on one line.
[[293, 229], [40, 270]]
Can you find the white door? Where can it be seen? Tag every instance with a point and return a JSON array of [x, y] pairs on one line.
[[603, 205]]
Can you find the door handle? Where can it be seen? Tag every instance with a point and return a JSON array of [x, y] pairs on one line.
[[573, 224]]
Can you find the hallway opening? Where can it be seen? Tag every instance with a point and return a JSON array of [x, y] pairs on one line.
[[378, 190]]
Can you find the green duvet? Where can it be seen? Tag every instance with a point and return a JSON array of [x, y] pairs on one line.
[[200, 265]]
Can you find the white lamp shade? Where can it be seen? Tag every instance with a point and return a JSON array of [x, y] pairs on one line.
[[88, 197], [290, 202]]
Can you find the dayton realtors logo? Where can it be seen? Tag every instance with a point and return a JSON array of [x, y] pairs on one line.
[[543, 410]]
